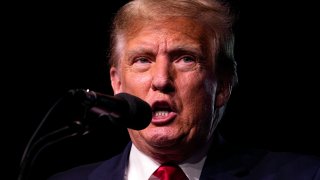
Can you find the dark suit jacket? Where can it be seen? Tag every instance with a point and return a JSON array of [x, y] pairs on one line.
[[224, 162]]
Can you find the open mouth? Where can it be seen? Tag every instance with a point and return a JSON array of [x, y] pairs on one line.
[[162, 113]]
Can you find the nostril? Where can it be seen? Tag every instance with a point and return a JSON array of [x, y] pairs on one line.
[[162, 84], [165, 88]]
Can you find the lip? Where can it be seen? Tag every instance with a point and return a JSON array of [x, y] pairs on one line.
[[164, 106], [161, 121]]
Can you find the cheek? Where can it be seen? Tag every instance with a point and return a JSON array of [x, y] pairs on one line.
[[197, 94], [196, 86], [136, 83]]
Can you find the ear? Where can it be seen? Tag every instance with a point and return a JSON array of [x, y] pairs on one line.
[[115, 80], [223, 94]]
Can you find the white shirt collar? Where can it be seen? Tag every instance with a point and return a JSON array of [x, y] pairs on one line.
[[141, 166]]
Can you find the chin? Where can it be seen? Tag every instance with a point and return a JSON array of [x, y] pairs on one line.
[[165, 139]]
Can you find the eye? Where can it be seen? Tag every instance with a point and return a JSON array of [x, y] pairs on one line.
[[142, 60], [186, 62], [141, 63], [188, 59]]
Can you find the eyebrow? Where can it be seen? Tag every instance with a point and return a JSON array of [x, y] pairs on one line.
[[180, 48], [188, 48]]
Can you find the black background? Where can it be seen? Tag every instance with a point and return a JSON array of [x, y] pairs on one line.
[[53, 47]]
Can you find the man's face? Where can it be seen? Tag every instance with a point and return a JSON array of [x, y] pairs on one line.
[[170, 65]]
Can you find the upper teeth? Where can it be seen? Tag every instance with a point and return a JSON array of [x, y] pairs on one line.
[[161, 113]]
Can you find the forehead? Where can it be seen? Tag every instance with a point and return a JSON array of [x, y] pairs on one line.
[[179, 26], [177, 31]]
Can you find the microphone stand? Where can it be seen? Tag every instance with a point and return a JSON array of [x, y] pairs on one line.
[[90, 118], [35, 147]]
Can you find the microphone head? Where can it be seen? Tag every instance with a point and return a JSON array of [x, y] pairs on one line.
[[122, 109], [139, 112]]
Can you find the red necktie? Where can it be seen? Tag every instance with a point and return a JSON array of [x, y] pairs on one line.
[[170, 172]]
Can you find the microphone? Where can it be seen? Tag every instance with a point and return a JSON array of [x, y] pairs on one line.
[[122, 109]]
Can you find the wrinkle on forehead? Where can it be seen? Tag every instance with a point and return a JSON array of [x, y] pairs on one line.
[[180, 33]]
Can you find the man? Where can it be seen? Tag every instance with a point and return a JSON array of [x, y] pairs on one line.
[[177, 55]]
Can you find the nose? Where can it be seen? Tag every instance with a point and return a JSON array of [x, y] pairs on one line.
[[163, 76]]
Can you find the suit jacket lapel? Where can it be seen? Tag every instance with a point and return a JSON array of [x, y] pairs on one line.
[[228, 162], [114, 169]]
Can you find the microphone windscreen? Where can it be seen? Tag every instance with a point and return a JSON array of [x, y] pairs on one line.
[[140, 113]]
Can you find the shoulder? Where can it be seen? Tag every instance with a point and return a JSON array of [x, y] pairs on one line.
[[113, 168], [250, 163], [289, 165], [77, 173]]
